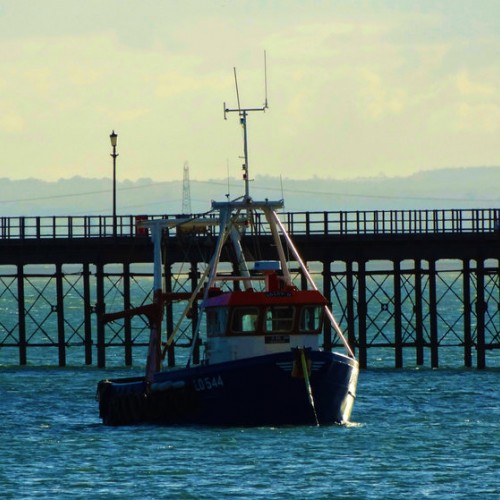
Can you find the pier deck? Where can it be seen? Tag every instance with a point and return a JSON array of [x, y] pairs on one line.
[[410, 283]]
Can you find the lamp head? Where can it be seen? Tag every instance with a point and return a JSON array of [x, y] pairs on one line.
[[113, 138]]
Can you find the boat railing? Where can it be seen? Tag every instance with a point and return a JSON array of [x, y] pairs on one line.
[[366, 222]]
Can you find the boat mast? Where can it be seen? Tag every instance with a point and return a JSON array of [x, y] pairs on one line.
[[247, 204], [243, 113]]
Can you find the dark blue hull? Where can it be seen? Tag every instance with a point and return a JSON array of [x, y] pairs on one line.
[[266, 390]]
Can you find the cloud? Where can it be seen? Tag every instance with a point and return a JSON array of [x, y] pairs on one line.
[[12, 123], [353, 87], [379, 98], [467, 87]]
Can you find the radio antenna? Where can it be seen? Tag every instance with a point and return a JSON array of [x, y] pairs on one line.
[[228, 195], [237, 90], [282, 193], [243, 113], [265, 79]]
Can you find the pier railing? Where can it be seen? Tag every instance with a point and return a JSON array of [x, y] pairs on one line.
[[330, 222]]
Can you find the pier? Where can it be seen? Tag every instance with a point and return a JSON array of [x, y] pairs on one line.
[[408, 284]]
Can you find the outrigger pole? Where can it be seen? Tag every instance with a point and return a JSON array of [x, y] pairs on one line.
[[223, 235], [153, 363], [302, 266], [155, 310]]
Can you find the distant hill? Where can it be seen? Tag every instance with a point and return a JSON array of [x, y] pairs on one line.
[[442, 188]]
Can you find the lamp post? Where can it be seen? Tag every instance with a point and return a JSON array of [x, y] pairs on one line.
[[113, 138]]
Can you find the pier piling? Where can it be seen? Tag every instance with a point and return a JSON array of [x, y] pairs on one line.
[[405, 286]]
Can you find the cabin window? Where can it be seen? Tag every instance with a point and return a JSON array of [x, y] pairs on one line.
[[311, 318], [279, 319], [216, 321], [244, 320]]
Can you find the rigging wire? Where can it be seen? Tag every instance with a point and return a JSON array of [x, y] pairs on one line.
[[227, 185]]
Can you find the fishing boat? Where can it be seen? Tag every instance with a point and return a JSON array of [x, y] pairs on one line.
[[262, 359]]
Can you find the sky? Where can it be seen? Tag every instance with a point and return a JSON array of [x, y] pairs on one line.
[[355, 88]]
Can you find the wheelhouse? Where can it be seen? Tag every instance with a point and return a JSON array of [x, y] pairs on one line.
[[246, 313]]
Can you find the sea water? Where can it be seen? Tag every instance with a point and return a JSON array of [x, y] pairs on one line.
[[415, 433]]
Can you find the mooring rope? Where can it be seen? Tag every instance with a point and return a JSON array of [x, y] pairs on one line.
[[305, 370]]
